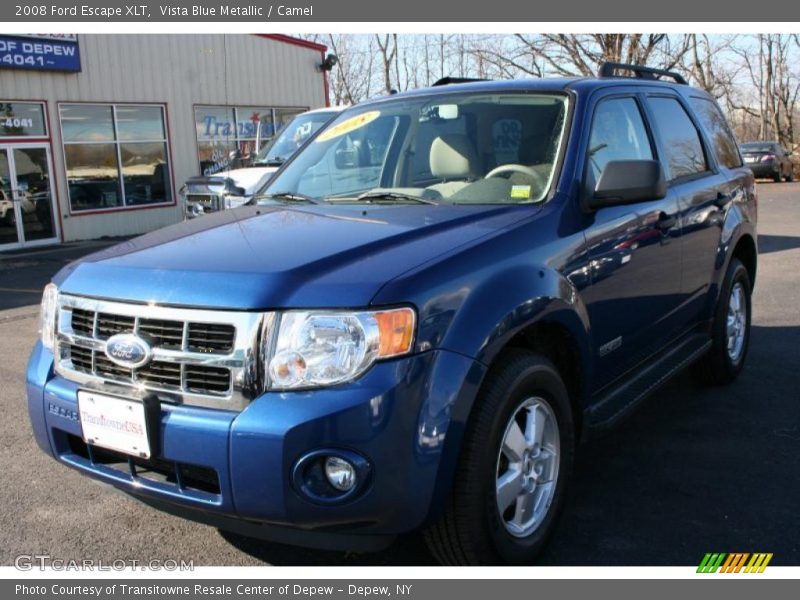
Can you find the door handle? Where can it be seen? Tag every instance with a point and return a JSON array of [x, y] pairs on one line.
[[666, 222]]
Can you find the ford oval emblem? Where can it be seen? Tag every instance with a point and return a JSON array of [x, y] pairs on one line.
[[128, 350]]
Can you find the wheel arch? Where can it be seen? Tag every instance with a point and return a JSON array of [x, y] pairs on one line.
[[746, 252]]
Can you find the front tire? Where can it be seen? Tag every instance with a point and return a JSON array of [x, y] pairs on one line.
[[730, 329], [513, 470]]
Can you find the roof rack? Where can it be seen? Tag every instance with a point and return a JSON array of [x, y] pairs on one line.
[[452, 80], [609, 69]]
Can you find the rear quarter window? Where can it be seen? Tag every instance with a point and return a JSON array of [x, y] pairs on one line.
[[722, 140]]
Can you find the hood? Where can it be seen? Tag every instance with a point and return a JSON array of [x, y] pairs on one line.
[[281, 257]]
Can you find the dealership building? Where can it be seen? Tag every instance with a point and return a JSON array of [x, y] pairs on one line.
[[99, 132]]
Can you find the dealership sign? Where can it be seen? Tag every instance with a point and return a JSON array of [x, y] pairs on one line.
[[41, 52]]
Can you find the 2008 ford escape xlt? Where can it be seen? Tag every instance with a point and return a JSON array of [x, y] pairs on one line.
[[427, 309]]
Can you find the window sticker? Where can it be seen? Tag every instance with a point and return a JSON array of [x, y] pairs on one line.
[[521, 192], [349, 125]]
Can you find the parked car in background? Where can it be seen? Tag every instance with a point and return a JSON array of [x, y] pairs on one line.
[[418, 321], [235, 187], [768, 160]]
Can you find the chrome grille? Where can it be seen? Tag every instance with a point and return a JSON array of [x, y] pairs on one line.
[[210, 337], [166, 334], [209, 202], [199, 357]]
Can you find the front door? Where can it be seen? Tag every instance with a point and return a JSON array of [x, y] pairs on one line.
[[27, 202], [634, 252]]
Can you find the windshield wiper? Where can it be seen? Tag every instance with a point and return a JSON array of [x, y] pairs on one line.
[[287, 197], [392, 197]]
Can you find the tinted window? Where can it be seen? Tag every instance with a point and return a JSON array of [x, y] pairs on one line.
[[618, 133], [721, 137], [682, 145]]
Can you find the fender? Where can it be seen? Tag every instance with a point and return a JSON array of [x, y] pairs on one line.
[[738, 224], [482, 326], [530, 295]]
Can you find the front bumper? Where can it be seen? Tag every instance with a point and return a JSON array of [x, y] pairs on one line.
[[405, 416]]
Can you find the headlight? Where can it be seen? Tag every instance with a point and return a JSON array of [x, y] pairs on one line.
[[47, 317], [319, 348]]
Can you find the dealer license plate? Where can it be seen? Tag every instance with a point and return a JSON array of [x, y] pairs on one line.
[[114, 423], [749, 159]]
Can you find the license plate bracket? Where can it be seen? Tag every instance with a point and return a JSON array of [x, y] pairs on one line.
[[120, 424]]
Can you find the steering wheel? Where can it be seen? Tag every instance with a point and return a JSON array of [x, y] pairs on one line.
[[515, 168]]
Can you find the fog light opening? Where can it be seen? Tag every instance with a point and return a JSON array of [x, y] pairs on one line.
[[341, 474], [331, 476]]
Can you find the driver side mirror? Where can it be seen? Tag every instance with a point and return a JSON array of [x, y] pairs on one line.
[[628, 182]]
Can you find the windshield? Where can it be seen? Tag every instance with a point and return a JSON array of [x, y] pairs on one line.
[[468, 148], [755, 147], [293, 135]]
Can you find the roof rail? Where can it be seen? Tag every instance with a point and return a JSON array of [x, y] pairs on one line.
[[609, 69], [450, 80]]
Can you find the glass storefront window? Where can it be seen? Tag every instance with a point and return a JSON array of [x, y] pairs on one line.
[[22, 119], [140, 123], [227, 137], [92, 176], [144, 173], [119, 161], [87, 123], [284, 115]]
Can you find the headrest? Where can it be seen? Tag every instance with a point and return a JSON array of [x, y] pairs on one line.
[[453, 157]]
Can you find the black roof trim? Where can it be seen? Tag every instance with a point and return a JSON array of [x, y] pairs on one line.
[[451, 80], [609, 69]]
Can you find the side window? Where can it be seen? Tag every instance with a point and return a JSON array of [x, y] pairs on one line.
[[355, 162], [681, 140], [618, 133], [717, 127]]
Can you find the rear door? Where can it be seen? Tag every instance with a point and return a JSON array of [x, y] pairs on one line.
[[705, 186]]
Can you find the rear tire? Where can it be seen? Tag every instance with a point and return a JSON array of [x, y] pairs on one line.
[[777, 177], [730, 329], [790, 176], [524, 395]]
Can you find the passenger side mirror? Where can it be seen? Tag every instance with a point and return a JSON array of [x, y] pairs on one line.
[[628, 182], [346, 158]]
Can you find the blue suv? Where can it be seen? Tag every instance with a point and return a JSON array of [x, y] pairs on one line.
[[417, 321]]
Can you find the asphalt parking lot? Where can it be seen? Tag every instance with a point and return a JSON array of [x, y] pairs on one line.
[[695, 470]]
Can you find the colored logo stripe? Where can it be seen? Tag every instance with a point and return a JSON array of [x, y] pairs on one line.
[[734, 562]]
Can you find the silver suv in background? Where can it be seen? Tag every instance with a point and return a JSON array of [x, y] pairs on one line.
[[235, 187]]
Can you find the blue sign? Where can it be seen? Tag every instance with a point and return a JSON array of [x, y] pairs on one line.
[[40, 52]]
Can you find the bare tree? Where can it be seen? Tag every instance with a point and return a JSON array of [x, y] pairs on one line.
[[769, 63], [582, 54], [387, 44]]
